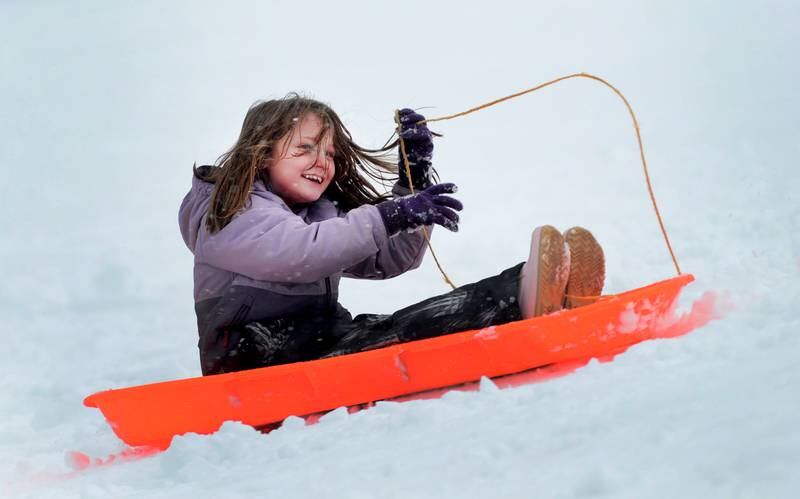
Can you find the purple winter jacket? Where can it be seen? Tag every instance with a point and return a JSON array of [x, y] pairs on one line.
[[271, 261]]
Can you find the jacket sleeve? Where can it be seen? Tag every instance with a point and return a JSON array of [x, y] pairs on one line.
[[399, 254], [269, 243]]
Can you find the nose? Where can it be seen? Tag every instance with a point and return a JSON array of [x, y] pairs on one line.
[[321, 159]]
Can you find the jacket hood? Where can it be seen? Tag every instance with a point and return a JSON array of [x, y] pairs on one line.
[[192, 213]]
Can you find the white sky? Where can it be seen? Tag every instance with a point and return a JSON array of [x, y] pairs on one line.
[[105, 106]]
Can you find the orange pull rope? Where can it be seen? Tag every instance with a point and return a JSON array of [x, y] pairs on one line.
[[539, 87]]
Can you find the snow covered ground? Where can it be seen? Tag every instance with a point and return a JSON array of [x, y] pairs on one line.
[[105, 108]]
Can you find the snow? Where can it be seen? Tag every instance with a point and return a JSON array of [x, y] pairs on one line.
[[106, 107]]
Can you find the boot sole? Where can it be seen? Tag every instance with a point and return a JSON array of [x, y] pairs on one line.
[[587, 268], [551, 269]]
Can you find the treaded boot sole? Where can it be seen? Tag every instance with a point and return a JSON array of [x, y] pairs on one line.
[[587, 268], [552, 268]]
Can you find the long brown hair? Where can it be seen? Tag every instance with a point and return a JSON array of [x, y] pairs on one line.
[[265, 124]]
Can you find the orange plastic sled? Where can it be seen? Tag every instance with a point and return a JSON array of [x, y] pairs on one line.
[[150, 415]]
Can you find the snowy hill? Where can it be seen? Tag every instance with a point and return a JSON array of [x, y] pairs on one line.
[[105, 108]]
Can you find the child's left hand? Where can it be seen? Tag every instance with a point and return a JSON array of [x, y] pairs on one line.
[[426, 207], [418, 141]]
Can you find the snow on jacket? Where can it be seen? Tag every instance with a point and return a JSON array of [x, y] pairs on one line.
[[271, 261]]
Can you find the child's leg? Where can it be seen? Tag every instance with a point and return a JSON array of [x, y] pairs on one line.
[[304, 337], [488, 302], [278, 341]]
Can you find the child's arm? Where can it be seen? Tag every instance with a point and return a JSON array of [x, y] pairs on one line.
[[270, 243], [406, 245], [399, 254]]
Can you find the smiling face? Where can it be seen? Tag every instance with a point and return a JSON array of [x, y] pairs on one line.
[[302, 165]]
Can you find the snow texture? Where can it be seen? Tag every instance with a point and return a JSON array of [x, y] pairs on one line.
[[107, 105]]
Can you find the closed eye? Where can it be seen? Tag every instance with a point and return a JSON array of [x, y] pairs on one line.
[[304, 149], [307, 148]]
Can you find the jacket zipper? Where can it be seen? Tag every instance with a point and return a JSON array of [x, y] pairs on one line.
[[328, 294]]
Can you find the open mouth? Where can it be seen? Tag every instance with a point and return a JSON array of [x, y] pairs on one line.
[[312, 177]]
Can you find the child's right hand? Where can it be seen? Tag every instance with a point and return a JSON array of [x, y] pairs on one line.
[[426, 207]]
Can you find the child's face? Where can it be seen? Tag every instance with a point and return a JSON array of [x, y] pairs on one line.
[[302, 167]]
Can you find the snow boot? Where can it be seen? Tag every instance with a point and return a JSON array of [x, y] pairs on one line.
[[587, 268], [543, 278]]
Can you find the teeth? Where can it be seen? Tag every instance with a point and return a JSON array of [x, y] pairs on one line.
[[314, 178]]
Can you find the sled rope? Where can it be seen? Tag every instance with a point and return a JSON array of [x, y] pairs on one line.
[[533, 89]]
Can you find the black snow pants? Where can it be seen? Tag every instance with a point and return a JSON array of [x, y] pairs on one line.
[[488, 302]]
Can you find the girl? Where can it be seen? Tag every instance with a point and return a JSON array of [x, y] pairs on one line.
[[290, 209]]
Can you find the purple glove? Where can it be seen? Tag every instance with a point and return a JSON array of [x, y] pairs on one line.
[[426, 207], [419, 149]]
